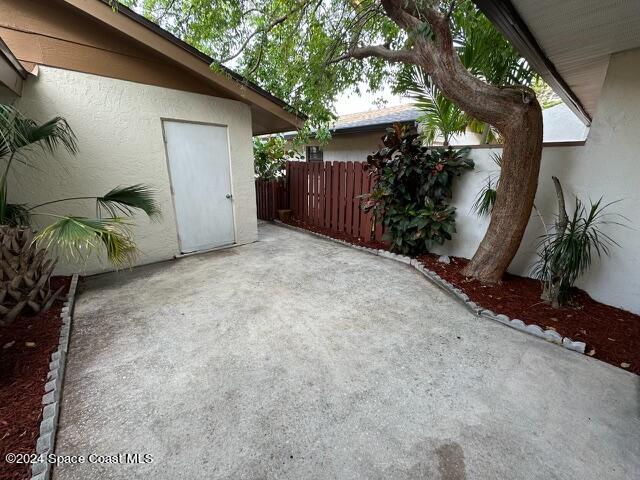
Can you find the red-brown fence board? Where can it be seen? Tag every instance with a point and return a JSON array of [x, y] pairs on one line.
[[324, 194], [271, 196], [335, 193]]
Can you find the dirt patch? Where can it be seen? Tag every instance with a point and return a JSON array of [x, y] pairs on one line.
[[25, 352], [611, 334]]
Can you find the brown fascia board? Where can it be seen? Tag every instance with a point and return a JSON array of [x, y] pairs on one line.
[[12, 73], [142, 30], [507, 20]]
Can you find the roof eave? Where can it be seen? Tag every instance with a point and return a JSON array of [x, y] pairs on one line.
[[188, 56], [12, 73], [508, 21]]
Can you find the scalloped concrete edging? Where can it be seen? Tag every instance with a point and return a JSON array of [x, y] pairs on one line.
[[532, 329], [53, 389]]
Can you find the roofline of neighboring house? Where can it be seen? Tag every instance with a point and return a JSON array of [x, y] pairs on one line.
[[369, 128], [12, 73], [145, 22], [508, 21]]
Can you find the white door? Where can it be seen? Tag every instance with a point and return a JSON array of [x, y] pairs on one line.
[[201, 183]]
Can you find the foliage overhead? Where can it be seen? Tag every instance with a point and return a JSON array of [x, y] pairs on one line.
[[413, 186], [298, 49], [270, 156], [288, 47], [485, 52]]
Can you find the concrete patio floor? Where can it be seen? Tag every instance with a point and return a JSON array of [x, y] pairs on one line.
[[298, 358]]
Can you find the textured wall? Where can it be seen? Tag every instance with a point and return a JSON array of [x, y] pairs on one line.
[[119, 129], [607, 166]]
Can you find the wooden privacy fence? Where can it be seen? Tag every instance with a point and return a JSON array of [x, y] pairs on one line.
[[271, 196], [326, 195]]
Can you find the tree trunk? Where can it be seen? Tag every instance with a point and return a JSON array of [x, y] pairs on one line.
[[514, 198], [24, 274], [513, 110]]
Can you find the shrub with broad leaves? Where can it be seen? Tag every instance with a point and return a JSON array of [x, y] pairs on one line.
[[413, 185]]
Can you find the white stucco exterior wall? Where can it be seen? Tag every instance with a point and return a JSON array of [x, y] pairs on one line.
[[607, 166], [119, 129], [350, 148]]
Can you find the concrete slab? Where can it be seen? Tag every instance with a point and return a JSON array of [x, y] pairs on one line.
[[298, 358]]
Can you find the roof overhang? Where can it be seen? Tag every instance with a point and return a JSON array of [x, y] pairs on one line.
[[270, 114], [506, 19], [569, 42], [12, 73]]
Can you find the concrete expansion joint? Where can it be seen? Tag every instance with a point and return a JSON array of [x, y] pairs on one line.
[[53, 389], [517, 324]]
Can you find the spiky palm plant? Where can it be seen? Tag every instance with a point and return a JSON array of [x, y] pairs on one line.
[[27, 259], [486, 197], [568, 247]]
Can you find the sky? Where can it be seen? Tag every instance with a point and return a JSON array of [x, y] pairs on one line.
[[349, 102]]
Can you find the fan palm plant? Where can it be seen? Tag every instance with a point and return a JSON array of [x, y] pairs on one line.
[[27, 259]]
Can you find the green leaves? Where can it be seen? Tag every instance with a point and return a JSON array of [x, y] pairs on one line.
[[413, 186], [291, 58], [19, 133], [76, 237], [270, 156], [125, 200], [565, 255]]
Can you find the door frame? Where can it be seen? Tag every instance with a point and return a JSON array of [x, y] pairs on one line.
[[172, 190]]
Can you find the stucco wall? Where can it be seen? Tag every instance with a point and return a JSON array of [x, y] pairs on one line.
[[350, 148], [607, 166], [119, 130]]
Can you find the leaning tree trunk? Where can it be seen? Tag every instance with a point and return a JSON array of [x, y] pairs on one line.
[[24, 274], [514, 111], [515, 196]]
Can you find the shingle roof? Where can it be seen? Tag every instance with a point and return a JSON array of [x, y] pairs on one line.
[[406, 113]]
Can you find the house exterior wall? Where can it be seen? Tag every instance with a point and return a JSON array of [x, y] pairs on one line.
[[351, 148], [606, 166], [119, 128]]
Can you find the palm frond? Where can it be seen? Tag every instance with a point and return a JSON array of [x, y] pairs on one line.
[[485, 199], [566, 255], [125, 200], [76, 237], [441, 117], [49, 135], [15, 215]]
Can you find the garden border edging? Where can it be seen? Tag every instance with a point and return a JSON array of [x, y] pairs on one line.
[[53, 389], [517, 324]]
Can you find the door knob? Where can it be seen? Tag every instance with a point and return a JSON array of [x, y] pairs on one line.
[[228, 195]]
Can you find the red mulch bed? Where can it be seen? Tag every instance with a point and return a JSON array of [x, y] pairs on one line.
[[611, 334], [23, 373]]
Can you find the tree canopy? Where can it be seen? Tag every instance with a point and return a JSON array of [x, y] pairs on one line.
[[308, 51], [298, 49]]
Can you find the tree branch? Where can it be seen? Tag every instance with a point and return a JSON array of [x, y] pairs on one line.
[[268, 28], [378, 51], [264, 30]]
